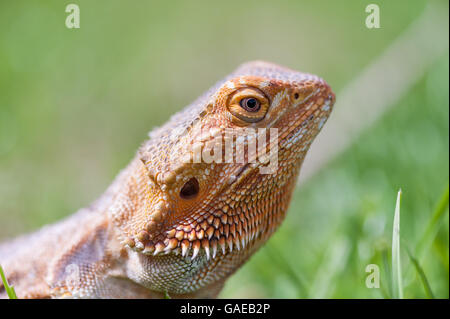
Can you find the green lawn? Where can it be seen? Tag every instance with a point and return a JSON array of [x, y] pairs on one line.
[[75, 105]]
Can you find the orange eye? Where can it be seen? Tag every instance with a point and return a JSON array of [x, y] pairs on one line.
[[249, 105]]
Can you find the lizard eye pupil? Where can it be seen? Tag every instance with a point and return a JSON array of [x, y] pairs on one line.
[[190, 189], [250, 104]]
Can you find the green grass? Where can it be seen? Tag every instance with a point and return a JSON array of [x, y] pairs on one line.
[[393, 274], [9, 289], [433, 225], [429, 236], [421, 274]]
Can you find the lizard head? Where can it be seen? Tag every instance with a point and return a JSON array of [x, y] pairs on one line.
[[217, 178]]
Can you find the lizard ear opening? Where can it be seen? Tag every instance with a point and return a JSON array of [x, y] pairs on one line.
[[190, 189]]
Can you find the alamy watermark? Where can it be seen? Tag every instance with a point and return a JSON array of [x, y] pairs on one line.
[[373, 17], [73, 18], [235, 145], [373, 278]]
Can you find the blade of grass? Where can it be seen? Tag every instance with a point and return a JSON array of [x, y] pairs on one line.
[[433, 226], [431, 231], [9, 289], [421, 273], [396, 264]]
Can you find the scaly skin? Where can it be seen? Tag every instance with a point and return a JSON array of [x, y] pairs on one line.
[[170, 226]]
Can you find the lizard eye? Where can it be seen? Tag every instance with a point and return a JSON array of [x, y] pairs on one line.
[[248, 105], [190, 189]]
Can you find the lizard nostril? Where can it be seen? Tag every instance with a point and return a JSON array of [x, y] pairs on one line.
[[296, 96], [190, 189]]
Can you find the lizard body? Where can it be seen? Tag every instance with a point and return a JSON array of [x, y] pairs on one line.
[[172, 225]]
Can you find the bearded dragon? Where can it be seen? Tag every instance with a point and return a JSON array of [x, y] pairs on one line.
[[169, 225]]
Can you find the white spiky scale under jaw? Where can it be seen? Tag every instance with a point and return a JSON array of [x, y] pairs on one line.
[[211, 246]]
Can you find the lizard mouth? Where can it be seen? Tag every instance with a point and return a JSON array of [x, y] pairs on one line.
[[210, 247], [210, 237]]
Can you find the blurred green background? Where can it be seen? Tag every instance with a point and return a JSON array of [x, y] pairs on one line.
[[76, 104]]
